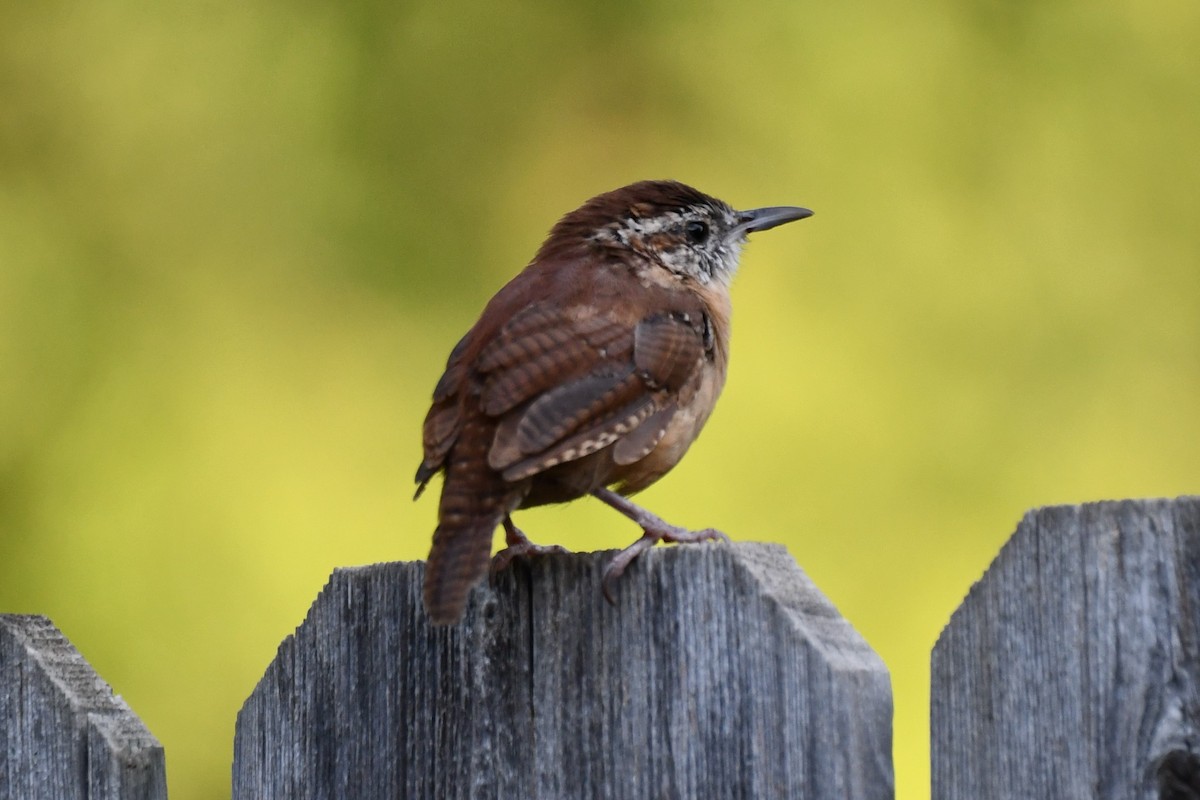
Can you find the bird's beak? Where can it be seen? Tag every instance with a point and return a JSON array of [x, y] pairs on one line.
[[761, 219]]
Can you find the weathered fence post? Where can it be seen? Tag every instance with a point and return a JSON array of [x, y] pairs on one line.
[[65, 735], [722, 672], [1072, 669]]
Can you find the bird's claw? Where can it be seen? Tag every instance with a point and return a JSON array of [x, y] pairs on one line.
[[519, 546], [621, 561], [525, 549], [684, 536]]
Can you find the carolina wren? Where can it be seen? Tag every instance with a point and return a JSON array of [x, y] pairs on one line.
[[595, 367]]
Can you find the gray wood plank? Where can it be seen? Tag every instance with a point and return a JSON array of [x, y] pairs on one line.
[[721, 672], [1072, 669], [66, 735]]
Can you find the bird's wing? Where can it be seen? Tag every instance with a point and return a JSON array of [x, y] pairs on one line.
[[444, 421], [564, 385]]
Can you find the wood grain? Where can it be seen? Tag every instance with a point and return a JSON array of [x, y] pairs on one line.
[[1072, 669], [65, 734], [722, 672]]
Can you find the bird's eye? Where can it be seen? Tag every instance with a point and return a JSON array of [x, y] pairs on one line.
[[696, 231]]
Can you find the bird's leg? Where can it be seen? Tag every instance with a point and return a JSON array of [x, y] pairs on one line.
[[518, 545], [654, 528]]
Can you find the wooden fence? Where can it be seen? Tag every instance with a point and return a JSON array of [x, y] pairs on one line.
[[1071, 670]]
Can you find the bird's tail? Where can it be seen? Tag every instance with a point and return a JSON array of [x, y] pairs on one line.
[[474, 501]]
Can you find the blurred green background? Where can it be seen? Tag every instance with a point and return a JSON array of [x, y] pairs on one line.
[[237, 241]]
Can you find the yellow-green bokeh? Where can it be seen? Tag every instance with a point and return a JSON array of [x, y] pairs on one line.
[[237, 240]]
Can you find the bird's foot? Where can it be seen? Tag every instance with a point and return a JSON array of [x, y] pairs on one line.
[[655, 530], [616, 568], [519, 546]]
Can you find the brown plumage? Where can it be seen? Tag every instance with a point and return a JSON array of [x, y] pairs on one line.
[[596, 366]]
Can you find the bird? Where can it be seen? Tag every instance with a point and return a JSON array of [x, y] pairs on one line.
[[589, 373]]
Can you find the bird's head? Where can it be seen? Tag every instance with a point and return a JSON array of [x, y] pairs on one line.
[[693, 236]]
